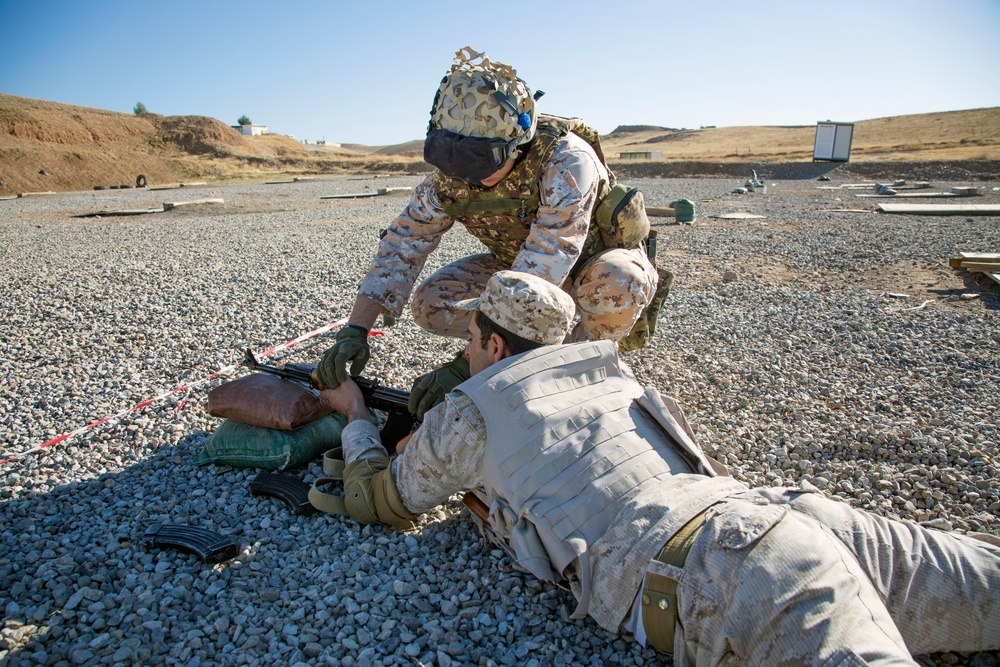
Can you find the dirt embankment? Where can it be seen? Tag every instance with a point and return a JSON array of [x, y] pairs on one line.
[[47, 146]]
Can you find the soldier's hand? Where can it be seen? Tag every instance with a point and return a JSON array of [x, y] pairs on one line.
[[347, 400], [430, 389], [351, 348]]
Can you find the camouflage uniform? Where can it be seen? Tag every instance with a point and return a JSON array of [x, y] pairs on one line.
[[776, 576], [610, 288]]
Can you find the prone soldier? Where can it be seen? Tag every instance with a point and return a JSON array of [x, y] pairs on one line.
[[593, 480]]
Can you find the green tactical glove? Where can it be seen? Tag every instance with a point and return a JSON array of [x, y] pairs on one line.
[[429, 389], [351, 346]]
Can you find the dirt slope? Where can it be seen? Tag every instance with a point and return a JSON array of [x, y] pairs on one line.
[[48, 146]]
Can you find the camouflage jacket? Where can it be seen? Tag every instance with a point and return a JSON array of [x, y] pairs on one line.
[[554, 241]]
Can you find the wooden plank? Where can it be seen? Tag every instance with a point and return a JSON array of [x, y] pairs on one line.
[[845, 210], [289, 180], [168, 205], [942, 209], [976, 257], [358, 195], [134, 211], [174, 186], [914, 194], [985, 267], [738, 216], [660, 211]]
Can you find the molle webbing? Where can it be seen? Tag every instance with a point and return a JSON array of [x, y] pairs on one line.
[[624, 472], [557, 356], [556, 386], [611, 457], [501, 216], [559, 432], [461, 208], [586, 438]]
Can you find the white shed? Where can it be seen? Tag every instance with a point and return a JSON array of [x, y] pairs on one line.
[[833, 141], [251, 130], [641, 155]]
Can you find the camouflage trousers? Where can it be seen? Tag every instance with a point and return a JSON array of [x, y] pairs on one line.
[[778, 577], [610, 291]]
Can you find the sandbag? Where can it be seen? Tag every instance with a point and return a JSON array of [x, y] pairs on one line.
[[247, 446], [266, 400]]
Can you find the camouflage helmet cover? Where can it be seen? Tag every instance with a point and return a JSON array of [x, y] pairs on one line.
[[525, 305], [484, 99]]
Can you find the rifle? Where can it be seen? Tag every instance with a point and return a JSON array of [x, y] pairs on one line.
[[399, 424], [394, 402]]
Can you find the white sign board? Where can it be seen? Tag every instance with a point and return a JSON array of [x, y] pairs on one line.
[[833, 141]]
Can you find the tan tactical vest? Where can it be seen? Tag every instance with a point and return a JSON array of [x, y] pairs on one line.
[[572, 444], [501, 216]]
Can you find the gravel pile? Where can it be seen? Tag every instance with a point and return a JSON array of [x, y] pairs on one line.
[[792, 359]]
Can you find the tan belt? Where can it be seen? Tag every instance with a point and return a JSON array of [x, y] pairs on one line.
[[659, 593]]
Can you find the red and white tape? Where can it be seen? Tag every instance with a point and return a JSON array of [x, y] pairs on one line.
[[185, 387]]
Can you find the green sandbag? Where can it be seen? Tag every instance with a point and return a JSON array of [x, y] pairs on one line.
[[244, 446]]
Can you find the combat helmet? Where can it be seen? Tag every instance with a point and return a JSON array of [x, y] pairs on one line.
[[481, 113]]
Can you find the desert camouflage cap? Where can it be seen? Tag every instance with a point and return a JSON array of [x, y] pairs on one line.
[[525, 305]]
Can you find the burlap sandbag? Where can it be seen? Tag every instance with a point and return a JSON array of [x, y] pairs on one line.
[[268, 401]]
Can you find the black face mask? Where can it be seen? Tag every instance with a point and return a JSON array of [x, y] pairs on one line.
[[470, 159]]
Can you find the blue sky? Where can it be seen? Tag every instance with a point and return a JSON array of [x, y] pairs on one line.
[[366, 72]]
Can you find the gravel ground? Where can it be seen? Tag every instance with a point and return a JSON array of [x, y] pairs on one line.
[[782, 339]]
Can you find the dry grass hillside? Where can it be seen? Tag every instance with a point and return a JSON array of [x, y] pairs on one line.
[[48, 146], [950, 135]]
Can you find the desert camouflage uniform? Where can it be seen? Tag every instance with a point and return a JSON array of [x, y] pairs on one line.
[[776, 576], [610, 289]]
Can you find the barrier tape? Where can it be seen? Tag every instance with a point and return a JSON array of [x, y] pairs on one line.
[[184, 387]]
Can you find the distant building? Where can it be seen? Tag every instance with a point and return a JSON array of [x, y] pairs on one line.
[[641, 155], [251, 130]]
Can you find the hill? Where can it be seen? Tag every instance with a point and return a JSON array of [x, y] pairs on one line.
[[949, 135], [48, 146]]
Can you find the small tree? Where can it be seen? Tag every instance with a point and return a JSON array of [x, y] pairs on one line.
[[139, 109], [243, 120]]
